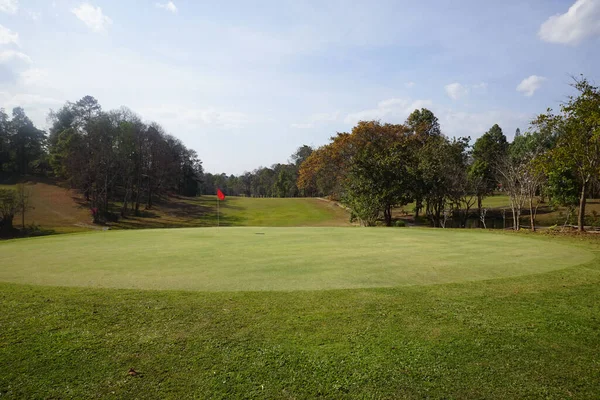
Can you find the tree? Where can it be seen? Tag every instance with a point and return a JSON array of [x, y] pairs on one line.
[[9, 206], [23, 201], [488, 151], [529, 153], [577, 128], [424, 127], [378, 180]]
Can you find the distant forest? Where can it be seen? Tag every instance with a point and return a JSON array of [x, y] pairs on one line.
[[115, 157]]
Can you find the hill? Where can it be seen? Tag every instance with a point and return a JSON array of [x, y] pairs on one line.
[[59, 210]]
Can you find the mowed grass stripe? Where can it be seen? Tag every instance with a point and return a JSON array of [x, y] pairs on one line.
[[259, 259]]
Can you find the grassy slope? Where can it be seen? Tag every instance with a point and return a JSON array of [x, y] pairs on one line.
[[54, 209], [239, 211], [232, 259], [528, 337], [57, 210]]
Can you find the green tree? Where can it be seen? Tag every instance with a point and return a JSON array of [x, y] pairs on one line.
[[9, 206], [488, 150], [577, 130], [379, 179]]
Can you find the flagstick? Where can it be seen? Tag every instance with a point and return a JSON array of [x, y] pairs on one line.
[[218, 216]]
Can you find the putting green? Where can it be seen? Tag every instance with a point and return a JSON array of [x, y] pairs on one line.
[[234, 259]]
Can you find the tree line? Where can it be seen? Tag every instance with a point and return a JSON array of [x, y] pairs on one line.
[[108, 156], [279, 180], [379, 166]]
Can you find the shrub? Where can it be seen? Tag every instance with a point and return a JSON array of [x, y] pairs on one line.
[[400, 223]]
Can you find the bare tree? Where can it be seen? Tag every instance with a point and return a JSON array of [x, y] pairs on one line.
[[510, 173], [23, 201]]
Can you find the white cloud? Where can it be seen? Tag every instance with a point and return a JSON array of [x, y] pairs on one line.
[[92, 17], [36, 106], [393, 110], [7, 36], [307, 125], [9, 6], [170, 6], [315, 119], [409, 84], [474, 124], [581, 21], [455, 90], [34, 76], [34, 15], [529, 85], [197, 117], [12, 55]]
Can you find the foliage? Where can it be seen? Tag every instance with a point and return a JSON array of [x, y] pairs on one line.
[[9, 206], [113, 155], [577, 132]]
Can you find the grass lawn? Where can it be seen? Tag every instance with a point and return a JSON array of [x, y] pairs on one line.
[[232, 259], [59, 210], [534, 335], [238, 211]]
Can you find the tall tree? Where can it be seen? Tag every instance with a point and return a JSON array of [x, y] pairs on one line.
[[577, 128], [488, 151]]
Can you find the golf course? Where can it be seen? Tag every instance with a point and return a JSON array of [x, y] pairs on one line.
[[299, 312], [257, 259]]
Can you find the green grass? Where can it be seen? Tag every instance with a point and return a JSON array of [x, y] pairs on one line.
[[239, 211], [233, 259], [529, 336], [58, 210]]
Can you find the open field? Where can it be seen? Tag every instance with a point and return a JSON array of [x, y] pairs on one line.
[[232, 259], [238, 211], [529, 336], [58, 210]]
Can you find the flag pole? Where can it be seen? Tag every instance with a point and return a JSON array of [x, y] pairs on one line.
[[218, 216]]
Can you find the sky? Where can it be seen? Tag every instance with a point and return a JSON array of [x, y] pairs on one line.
[[246, 83]]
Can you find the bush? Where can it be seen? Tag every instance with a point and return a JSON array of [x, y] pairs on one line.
[[400, 223]]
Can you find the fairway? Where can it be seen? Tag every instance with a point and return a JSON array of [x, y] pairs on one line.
[[259, 259]]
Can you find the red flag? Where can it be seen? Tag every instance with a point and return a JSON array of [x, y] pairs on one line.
[[220, 195]]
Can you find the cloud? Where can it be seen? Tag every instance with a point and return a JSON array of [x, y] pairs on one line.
[[12, 55], [529, 85], [409, 84], [581, 21], [474, 124], [34, 76], [455, 90], [36, 106], [315, 119], [170, 6], [34, 15], [9, 6], [307, 125], [393, 110], [193, 117], [92, 17], [7, 36]]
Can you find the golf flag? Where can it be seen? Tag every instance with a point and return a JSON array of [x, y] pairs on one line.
[[220, 195]]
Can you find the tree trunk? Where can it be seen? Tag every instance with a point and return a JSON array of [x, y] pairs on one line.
[[531, 214], [582, 200], [479, 204], [387, 215], [149, 204]]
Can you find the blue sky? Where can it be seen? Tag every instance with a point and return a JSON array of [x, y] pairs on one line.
[[246, 83]]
